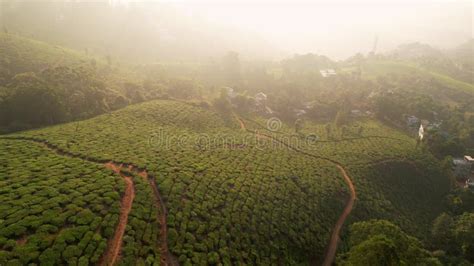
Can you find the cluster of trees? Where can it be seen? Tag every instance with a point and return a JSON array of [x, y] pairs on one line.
[[456, 131], [380, 242], [42, 84], [452, 232], [453, 238]]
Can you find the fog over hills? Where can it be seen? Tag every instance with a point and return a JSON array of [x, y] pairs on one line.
[[148, 31]]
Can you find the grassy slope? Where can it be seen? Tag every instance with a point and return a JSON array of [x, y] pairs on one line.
[[26, 54], [375, 68], [232, 196], [394, 179], [21, 54], [237, 167], [54, 203]]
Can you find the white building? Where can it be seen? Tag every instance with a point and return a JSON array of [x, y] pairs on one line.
[[469, 159], [260, 97], [421, 132], [230, 92], [327, 72], [299, 112]]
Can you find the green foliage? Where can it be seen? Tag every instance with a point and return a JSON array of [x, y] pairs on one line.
[[454, 235], [224, 195], [379, 242], [59, 85], [142, 233], [48, 202]]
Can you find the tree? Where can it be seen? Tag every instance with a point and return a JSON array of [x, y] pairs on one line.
[[299, 124], [172, 236], [379, 242], [49, 257], [377, 250], [341, 118], [222, 104], [44, 106], [464, 234], [442, 231]]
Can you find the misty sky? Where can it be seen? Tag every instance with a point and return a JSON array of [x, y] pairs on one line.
[[341, 28], [272, 29]]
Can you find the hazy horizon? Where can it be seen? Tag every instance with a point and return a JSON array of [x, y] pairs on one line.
[[196, 30]]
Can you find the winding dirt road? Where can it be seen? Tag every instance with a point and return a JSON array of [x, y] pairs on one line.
[[115, 244], [333, 242], [332, 247]]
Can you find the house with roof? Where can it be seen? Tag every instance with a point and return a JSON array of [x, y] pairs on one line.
[[327, 72], [413, 121], [464, 167], [260, 97], [299, 112], [231, 94], [469, 183], [469, 159], [356, 113]]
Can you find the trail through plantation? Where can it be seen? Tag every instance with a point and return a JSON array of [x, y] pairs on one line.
[[332, 247], [115, 244], [335, 236]]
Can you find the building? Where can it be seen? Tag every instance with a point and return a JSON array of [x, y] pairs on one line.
[[421, 132], [327, 72], [356, 113], [260, 97], [469, 183], [434, 126], [413, 121], [299, 112], [230, 92], [464, 167], [469, 159]]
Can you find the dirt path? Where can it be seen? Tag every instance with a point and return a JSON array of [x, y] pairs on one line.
[[333, 242], [241, 122], [166, 257], [332, 248], [115, 244]]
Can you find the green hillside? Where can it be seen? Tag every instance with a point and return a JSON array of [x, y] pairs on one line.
[[373, 69], [20, 54], [395, 180], [63, 84], [235, 198], [55, 209]]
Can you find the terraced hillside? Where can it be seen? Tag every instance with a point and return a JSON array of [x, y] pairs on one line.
[[227, 195], [230, 196], [395, 179], [55, 209]]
